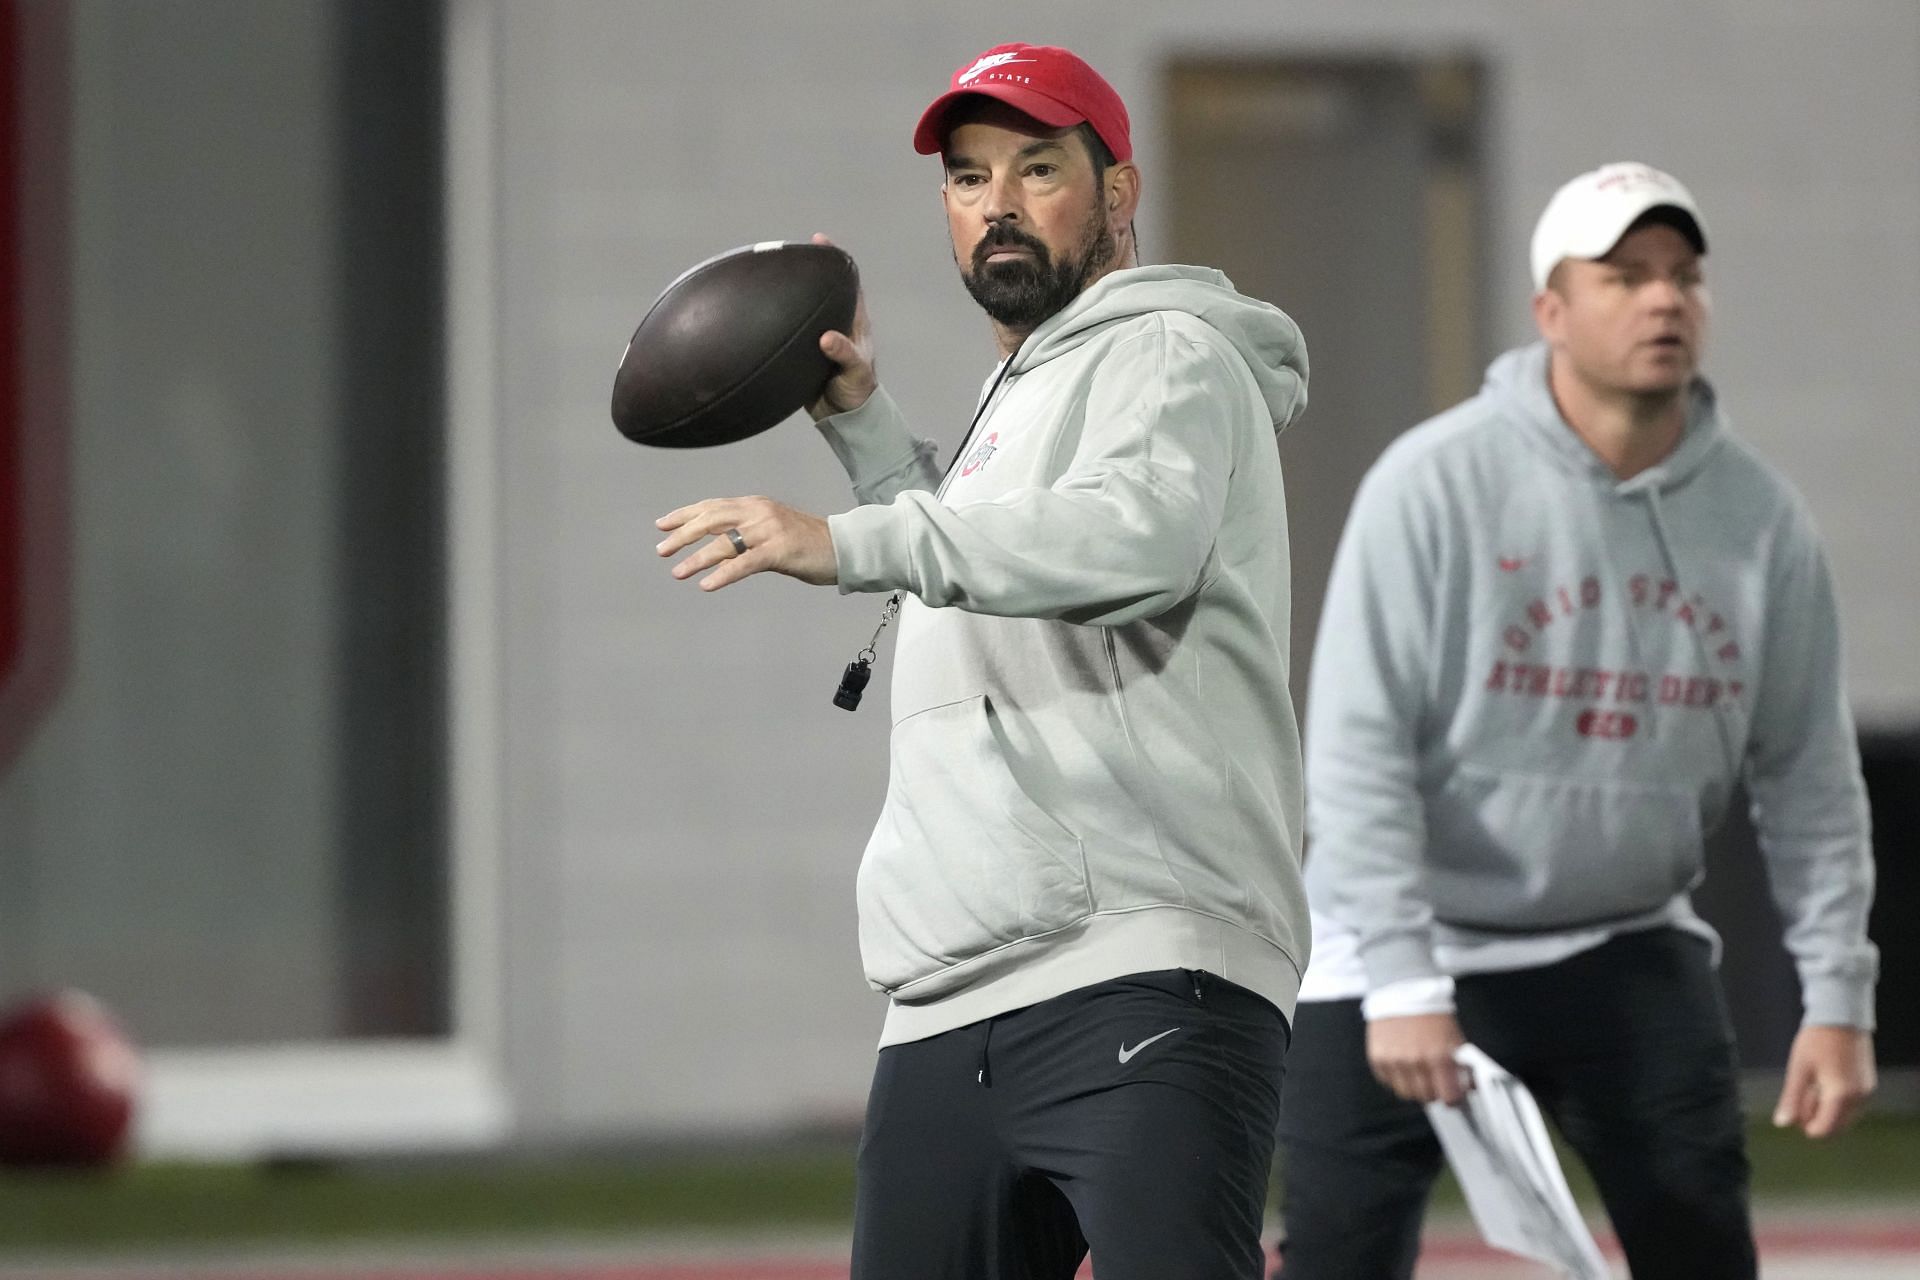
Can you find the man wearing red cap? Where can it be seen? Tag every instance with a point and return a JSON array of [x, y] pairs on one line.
[[1082, 895]]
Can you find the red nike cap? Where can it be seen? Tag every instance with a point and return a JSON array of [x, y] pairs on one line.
[[1053, 85]]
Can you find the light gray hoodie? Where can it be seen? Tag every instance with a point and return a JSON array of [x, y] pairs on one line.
[[1094, 768], [1535, 686]]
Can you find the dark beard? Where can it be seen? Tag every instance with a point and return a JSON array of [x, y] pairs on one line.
[[1020, 294]]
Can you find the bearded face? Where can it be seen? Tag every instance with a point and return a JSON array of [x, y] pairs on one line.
[[1023, 288], [1035, 213]]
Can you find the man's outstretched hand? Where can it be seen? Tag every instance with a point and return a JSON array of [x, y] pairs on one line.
[[777, 538]]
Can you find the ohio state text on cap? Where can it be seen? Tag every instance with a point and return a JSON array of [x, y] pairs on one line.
[[1051, 84]]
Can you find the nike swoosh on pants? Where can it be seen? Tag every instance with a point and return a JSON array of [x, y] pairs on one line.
[[1126, 1054]]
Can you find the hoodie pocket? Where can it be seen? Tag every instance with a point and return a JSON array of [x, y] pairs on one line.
[[1513, 850], [963, 860]]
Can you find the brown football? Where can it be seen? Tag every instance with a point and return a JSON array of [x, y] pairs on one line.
[[732, 347]]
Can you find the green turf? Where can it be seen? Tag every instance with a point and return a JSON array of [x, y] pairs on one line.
[[1877, 1160], [477, 1201], [221, 1204]]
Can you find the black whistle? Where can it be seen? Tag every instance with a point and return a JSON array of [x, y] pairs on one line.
[[852, 685]]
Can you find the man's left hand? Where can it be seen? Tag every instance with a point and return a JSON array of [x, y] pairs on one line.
[[749, 536], [1830, 1076]]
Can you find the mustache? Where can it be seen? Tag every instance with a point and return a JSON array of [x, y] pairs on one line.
[[1003, 235]]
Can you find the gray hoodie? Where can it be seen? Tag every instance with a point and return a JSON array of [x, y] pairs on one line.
[[1536, 685], [1094, 766]]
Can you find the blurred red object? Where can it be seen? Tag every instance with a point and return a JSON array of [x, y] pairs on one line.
[[68, 1080]]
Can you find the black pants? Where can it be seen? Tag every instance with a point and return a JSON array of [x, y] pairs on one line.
[[1627, 1048], [1135, 1117]]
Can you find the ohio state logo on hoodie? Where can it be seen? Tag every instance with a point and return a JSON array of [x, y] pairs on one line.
[[982, 454]]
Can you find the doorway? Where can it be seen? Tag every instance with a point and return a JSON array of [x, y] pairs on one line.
[[1350, 193]]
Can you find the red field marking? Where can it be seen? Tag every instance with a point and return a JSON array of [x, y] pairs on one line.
[[772, 1270], [1893, 1239], [1864, 1238], [1831, 1245]]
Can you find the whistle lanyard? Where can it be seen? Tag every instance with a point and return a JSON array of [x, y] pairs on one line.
[[853, 681]]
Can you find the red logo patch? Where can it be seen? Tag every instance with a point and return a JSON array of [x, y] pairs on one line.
[[981, 455]]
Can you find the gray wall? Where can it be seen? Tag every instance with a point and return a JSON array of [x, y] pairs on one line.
[[684, 810], [174, 814], [227, 826]]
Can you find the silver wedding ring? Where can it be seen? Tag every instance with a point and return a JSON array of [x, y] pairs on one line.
[[739, 543]]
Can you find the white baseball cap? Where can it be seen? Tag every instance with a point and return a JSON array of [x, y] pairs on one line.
[[1587, 217]]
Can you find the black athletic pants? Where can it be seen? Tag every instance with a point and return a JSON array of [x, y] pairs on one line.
[[1134, 1117], [1627, 1048]]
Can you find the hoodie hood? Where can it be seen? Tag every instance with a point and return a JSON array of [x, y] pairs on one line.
[[1517, 383], [1265, 336]]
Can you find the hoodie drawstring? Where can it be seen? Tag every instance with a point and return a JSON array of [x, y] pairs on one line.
[[853, 681]]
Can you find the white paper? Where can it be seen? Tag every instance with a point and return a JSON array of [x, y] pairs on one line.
[[1499, 1150]]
